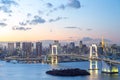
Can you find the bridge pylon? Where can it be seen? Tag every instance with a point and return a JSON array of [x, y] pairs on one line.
[[93, 56], [108, 67], [54, 57]]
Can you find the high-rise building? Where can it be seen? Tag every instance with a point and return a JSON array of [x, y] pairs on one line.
[[103, 43], [72, 45], [1, 48], [10, 48], [80, 44], [56, 42], [18, 49], [27, 49], [39, 48], [17, 44]]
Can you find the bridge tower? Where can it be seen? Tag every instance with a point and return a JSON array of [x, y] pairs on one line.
[[108, 67], [103, 43], [93, 56], [54, 57]]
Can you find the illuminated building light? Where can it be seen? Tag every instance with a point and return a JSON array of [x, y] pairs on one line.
[[114, 69], [110, 70]]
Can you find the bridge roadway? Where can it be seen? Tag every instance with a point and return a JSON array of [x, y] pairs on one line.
[[87, 58]]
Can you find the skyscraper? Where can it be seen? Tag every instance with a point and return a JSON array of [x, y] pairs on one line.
[[80, 44], [72, 45], [18, 50], [18, 45], [27, 49], [39, 48], [10, 48]]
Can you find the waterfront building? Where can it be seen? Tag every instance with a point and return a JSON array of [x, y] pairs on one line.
[[1, 48], [80, 47], [72, 45], [56, 42], [27, 49], [65, 49], [38, 49], [18, 49], [80, 44], [18, 45], [10, 48]]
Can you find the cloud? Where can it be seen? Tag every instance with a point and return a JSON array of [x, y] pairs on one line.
[[74, 3], [8, 2], [49, 5], [21, 28], [3, 24], [71, 4], [57, 19], [5, 5], [62, 6], [40, 12], [89, 29], [10, 15], [29, 14], [5, 9], [4, 19], [37, 20], [22, 23], [70, 27]]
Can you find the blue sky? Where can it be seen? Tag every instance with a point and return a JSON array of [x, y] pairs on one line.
[[33, 20]]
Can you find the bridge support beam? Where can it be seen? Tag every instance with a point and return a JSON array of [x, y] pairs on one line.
[[93, 55], [93, 51], [54, 60], [54, 57], [93, 65]]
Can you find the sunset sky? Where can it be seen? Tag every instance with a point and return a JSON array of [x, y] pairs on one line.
[[32, 20]]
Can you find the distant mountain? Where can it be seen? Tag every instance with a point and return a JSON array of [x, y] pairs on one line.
[[88, 40]]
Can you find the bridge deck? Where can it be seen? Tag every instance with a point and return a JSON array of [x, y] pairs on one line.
[[87, 58]]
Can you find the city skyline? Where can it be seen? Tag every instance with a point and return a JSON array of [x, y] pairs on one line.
[[33, 20]]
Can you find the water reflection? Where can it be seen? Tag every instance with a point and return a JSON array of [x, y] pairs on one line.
[[93, 74], [54, 66], [110, 76]]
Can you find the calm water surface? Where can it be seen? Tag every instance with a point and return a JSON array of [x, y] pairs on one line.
[[10, 71]]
